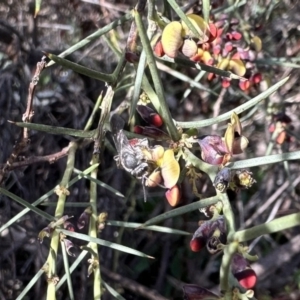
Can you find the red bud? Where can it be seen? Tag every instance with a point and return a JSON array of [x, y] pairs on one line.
[[197, 244], [156, 120], [138, 129], [158, 49], [246, 278], [244, 85]]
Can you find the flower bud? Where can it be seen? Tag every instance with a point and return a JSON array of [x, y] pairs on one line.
[[84, 218], [222, 180], [246, 278]]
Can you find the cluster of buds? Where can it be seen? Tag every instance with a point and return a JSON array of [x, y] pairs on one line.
[[235, 180], [217, 150], [163, 166], [61, 222], [178, 38], [154, 121], [64, 223], [218, 44], [211, 233], [230, 51]]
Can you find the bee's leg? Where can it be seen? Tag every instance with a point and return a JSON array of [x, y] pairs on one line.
[[144, 187]]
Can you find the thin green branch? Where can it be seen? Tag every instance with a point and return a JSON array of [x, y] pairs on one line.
[[199, 66], [109, 78], [229, 251], [51, 261], [265, 160], [181, 210], [275, 225], [165, 113], [237, 110]]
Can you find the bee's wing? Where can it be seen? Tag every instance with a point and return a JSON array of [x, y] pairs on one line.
[[117, 125], [120, 139]]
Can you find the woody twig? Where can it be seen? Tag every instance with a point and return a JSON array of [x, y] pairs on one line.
[[27, 117]]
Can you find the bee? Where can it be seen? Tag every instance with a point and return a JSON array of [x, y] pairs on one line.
[[130, 156]]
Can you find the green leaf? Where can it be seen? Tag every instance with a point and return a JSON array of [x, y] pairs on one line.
[[181, 210], [153, 228], [80, 69], [101, 242], [57, 130]]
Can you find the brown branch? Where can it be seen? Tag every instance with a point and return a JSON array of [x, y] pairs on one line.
[[27, 117], [133, 285], [51, 158]]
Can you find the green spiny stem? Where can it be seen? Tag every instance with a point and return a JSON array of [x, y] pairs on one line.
[[58, 214], [225, 287]]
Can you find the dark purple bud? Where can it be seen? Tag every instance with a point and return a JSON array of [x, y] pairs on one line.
[[145, 112], [69, 226], [68, 245], [154, 132], [45, 232], [132, 57], [222, 180], [84, 218], [207, 228], [238, 263]]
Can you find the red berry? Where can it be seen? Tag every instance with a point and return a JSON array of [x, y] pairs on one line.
[[246, 278]]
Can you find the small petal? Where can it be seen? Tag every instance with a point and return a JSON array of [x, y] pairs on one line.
[[84, 218], [256, 43], [154, 179], [239, 145], [171, 39], [237, 66], [170, 169], [45, 232], [213, 149], [158, 49], [244, 85], [229, 138], [173, 195], [189, 48], [246, 278], [68, 245], [69, 226], [199, 24]]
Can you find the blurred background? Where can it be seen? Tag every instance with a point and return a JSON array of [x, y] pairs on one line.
[[64, 98]]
